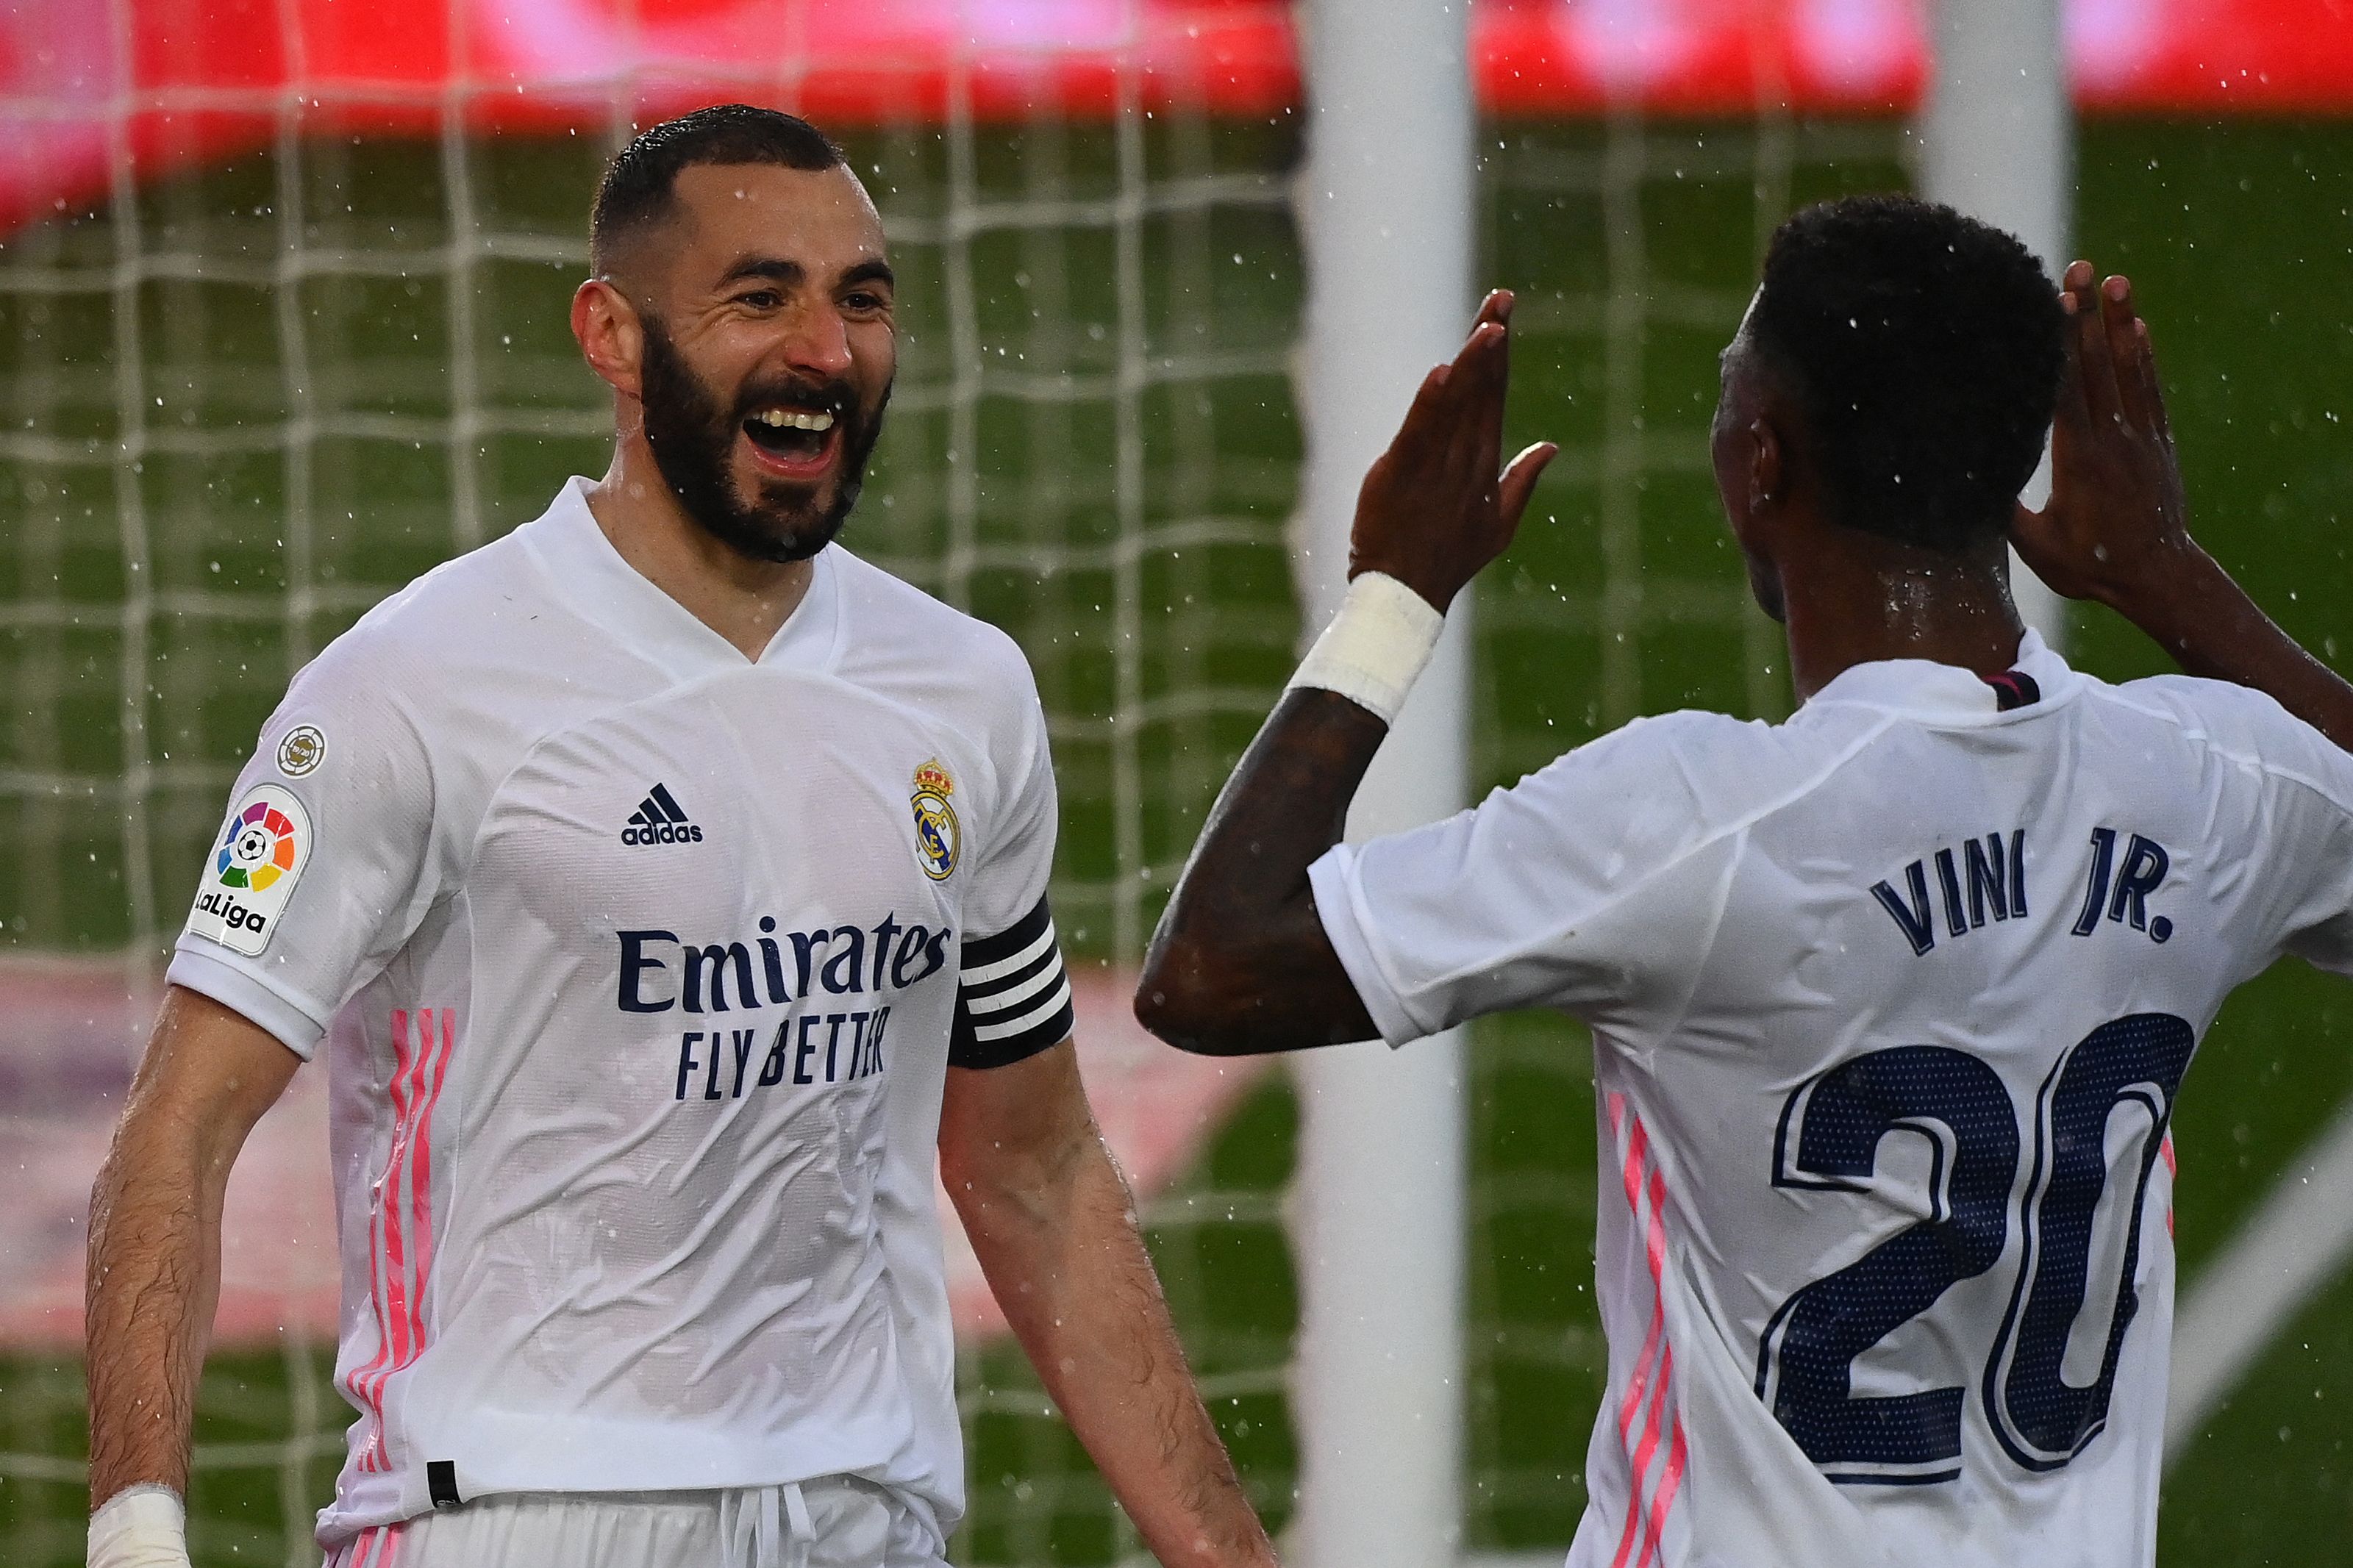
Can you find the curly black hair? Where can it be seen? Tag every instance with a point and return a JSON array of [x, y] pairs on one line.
[[1924, 349], [639, 182]]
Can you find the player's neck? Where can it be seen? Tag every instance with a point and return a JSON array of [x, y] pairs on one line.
[[745, 601], [1849, 608]]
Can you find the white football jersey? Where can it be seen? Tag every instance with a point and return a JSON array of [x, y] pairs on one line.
[[640, 966], [1889, 1005]]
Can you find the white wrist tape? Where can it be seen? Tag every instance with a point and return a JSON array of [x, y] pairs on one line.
[[145, 1526], [1375, 647]]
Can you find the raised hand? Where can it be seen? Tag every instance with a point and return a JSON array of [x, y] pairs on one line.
[[2116, 526], [1435, 508]]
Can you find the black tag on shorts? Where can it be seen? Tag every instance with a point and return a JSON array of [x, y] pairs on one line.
[[441, 1483]]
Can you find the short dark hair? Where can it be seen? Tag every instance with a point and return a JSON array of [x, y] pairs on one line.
[[641, 180], [1925, 350]]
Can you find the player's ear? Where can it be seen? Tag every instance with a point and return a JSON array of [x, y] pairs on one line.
[[612, 339], [1768, 476]]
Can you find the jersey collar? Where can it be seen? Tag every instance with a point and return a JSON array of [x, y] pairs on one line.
[[1946, 693], [592, 576]]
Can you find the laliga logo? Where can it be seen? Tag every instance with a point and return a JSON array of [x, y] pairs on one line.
[[261, 856], [937, 836], [260, 849]]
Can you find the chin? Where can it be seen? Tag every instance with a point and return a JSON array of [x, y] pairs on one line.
[[795, 528], [797, 542]]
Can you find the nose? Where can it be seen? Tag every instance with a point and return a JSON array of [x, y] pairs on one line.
[[816, 342]]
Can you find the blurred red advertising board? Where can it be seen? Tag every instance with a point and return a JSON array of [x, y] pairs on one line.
[[98, 89]]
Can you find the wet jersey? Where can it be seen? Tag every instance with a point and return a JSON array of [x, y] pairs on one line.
[[639, 966], [1889, 1006]]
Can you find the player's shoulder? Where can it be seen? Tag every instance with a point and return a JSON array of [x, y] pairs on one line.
[[458, 609], [920, 647], [438, 624], [460, 664], [2193, 704], [1701, 768], [2235, 725], [1749, 754], [1687, 731]]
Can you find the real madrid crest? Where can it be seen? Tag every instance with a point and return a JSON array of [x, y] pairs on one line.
[[937, 836]]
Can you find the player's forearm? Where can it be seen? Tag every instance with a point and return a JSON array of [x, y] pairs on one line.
[[2201, 616], [154, 1277], [154, 1233], [1061, 1248], [1240, 963]]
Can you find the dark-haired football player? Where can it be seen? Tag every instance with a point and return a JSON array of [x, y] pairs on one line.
[[1890, 1002], [666, 888]]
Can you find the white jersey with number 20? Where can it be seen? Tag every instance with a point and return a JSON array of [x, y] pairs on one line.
[[1890, 1004]]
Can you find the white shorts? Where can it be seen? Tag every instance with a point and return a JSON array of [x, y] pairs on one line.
[[837, 1521]]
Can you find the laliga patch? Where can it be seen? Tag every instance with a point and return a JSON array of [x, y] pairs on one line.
[[937, 836], [253, 872]]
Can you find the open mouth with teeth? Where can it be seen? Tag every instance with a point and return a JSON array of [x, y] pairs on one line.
[[794, 436]]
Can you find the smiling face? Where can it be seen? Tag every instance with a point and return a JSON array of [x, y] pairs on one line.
[[768, 349]]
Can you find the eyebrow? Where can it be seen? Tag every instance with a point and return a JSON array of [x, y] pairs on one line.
[[775, 269]]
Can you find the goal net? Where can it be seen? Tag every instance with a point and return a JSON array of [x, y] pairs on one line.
[[1633, 242], [268, 351], [275, 352]]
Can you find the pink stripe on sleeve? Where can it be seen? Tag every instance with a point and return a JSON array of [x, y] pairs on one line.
[[2173, 1170], [399, 1182], [1646, 1526], [421, 1188], [1658, 1417], [364, 1383], [1640, 1381], [408, 1185], [392, 1199], [1663, 1502], [378, 1546]]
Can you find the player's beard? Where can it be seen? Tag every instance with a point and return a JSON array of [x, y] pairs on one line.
[[694, 442]]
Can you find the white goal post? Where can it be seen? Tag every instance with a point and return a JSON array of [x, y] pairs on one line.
[[1997, 140], [1385, 202]]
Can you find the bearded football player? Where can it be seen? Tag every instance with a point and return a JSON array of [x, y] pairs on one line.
[[665, 890]]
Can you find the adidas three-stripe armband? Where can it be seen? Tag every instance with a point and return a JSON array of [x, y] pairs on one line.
[[1013, 996]]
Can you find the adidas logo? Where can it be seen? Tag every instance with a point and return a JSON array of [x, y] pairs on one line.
[[660, 820]]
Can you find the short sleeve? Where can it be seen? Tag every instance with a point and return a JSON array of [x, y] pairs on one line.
[[321, 868], [1591, 886], [1013, 992], [2308, 823], [2324, 936]]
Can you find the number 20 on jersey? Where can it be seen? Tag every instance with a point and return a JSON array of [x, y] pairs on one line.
[[2045, 1385]]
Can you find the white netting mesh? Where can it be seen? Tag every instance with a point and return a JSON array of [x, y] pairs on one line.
[[1632, 244], [243, 404], [240, 404]]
